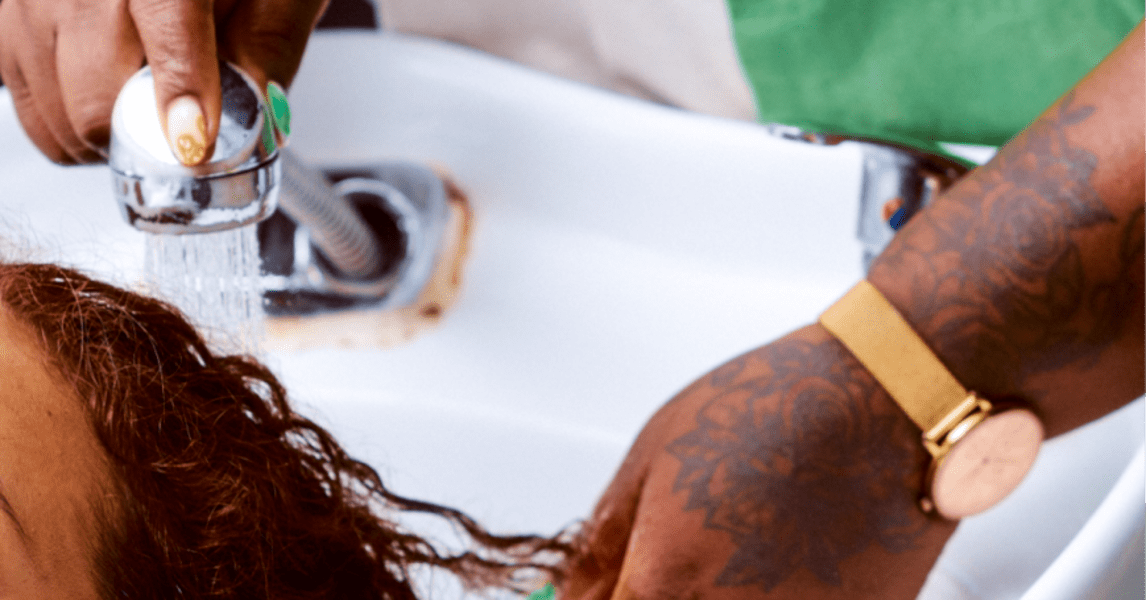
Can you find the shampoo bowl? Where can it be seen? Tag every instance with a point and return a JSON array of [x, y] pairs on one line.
[[620, 249]]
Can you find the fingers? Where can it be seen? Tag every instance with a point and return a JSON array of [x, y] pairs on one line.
[[178, 37], [97, 51], [13, 77], [27, 63], [267, 38], [66, 64], [30, 119]]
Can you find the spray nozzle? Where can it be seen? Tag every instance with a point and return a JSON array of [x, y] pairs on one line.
[[237, 186]]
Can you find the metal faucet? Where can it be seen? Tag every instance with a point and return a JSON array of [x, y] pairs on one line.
[[898, 182], [372, 240], [238, 186]]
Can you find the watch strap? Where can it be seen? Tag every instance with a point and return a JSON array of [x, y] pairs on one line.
[[879, 337]]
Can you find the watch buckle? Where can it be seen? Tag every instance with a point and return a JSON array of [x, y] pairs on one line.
[[934, 439]]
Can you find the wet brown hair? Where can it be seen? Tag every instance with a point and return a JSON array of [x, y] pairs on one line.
[[221, 490]]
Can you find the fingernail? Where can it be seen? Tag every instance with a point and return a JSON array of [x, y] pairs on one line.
[[187, 130], [280, 108]]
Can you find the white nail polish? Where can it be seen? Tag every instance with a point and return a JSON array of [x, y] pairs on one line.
[[187, 130]]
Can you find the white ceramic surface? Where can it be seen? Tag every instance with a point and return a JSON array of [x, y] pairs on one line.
[[621, 249]]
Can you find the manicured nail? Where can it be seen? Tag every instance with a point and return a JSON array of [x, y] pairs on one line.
[[187, 130], [280, 108]]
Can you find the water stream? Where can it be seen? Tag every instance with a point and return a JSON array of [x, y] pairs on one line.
[[214, 279]]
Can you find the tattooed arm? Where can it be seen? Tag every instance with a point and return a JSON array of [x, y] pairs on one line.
[[1027, 276], [789, 473]]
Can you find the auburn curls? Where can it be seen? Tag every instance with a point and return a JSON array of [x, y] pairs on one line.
[[221, 490]]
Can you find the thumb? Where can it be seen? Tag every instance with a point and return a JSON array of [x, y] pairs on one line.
[[179, 43], [594, 572]]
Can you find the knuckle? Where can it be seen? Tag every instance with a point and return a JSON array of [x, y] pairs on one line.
[[94, 128], [159, 12], [171, 67], [172, 30]]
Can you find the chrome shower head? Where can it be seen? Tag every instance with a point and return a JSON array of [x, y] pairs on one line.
[[238, 186]]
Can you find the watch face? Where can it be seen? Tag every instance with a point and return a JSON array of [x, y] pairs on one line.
[[986, 464]]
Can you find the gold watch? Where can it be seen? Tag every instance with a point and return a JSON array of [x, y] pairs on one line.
[[980, 449]]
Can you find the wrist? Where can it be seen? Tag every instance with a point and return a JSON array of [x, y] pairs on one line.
[[980, 450], [804, 472], [804, 408]]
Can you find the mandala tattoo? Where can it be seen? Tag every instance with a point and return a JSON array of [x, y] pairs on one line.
[[798, 472]]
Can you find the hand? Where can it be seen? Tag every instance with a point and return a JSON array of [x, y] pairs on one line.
[[66, 60], [785, 473]]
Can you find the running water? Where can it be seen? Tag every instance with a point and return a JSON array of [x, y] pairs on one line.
[[214, 279]]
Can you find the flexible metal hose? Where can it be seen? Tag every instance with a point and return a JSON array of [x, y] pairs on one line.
[[336, 228]]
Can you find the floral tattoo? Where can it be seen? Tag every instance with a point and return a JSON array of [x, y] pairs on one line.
[[794, 469], [796, 462], [1002, 275]]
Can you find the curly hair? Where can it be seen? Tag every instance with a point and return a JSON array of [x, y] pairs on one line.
[[220, 489]]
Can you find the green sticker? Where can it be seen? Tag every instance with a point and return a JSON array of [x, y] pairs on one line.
[[280, 109], [545, 593]]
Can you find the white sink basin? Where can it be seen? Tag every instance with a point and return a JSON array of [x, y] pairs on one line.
[[620, 250]]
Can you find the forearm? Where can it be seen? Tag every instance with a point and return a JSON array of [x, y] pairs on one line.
[[1027, 280], [1026, 277], [789, 473]]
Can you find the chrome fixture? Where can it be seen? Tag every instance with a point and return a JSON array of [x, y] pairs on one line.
[[401, 207], [337, 230], [238, 186], [369, 240], [898, 181]]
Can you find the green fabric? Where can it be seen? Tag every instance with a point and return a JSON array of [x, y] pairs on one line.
[[545, 593], [921, 71]]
